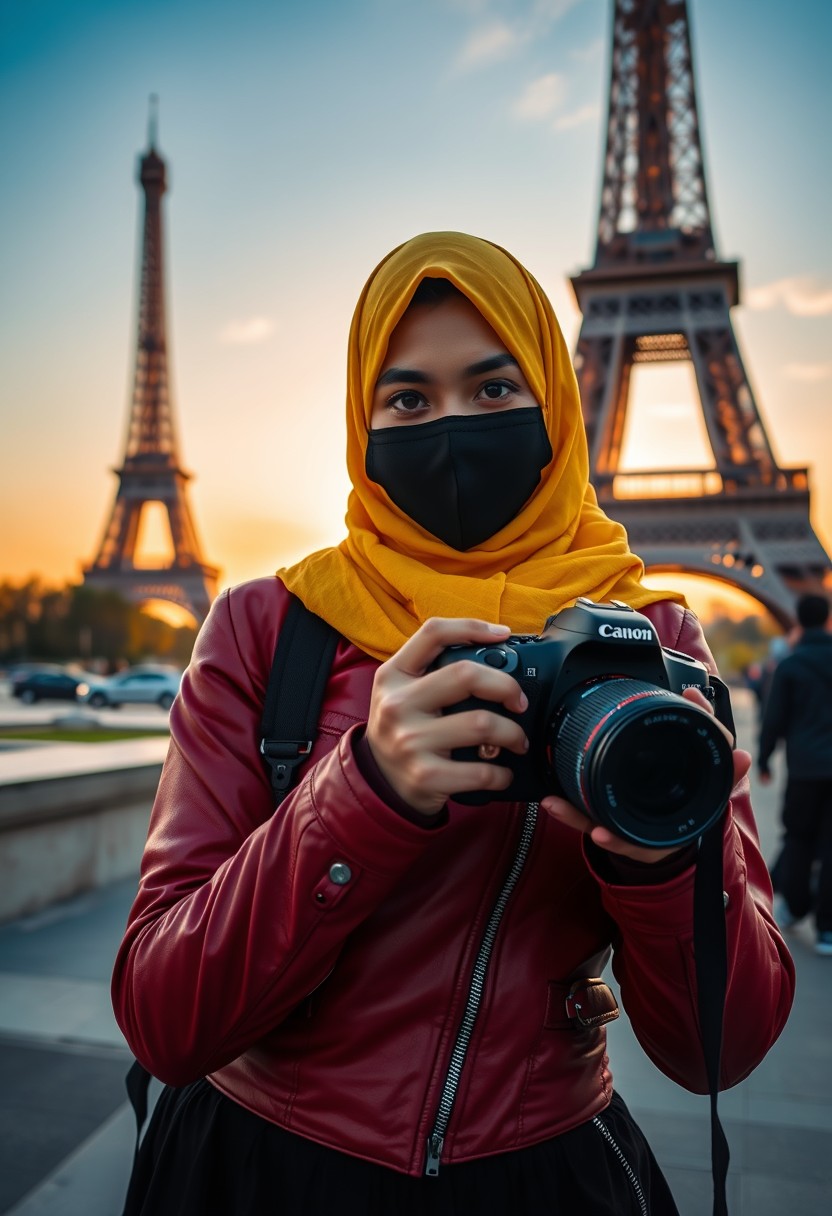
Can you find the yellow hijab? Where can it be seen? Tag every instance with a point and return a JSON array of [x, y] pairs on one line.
[[388, 575]]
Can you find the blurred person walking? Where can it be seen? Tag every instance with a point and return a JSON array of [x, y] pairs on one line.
[[799, 710], [759, 675]]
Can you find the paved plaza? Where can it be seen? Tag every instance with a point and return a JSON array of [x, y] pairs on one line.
[[67, 1133]]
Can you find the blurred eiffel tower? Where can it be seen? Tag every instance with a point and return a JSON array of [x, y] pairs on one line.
[[151, 471], [657, 292]]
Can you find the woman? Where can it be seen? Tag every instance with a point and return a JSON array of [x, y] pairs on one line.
[[360, 1001]]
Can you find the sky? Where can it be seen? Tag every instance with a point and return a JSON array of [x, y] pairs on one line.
[[304, 140]]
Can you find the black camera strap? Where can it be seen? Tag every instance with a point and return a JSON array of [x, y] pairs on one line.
[[711, 961]]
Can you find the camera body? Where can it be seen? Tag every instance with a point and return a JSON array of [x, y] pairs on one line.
[[607, 726]]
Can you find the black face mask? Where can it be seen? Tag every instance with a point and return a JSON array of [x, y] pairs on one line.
[[465, 477]]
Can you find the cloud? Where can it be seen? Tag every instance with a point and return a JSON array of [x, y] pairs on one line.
[[497, 39], [578, 117], [247, 332], [540, 97], [801, 295], [488, 44], [808, 373]]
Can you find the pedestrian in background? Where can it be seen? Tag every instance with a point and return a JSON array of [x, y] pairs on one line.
[[799, 710], [758, 675]]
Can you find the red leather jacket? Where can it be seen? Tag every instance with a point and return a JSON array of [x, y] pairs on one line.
[[316, 961]]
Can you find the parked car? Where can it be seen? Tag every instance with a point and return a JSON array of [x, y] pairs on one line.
[[142, 685], [48, 683], [17, 672]]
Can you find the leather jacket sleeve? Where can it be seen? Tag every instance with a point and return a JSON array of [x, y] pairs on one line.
[[653, 955], [239, 913]]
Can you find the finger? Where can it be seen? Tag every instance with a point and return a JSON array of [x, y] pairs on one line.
[[459, 681], [472, 728], [566, 813], [428, 642], [698, 698], [605, 839], [449, 777], [742, 765], [474, 777]]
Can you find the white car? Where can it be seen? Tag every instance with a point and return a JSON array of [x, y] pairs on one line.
[[143, 685]]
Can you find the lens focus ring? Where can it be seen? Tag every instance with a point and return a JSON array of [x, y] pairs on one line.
[[641, 760]]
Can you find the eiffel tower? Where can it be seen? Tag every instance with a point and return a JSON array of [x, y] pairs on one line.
[[151, 471], [658, 292]]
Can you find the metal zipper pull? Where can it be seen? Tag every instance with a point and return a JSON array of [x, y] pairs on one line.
[[435, 1144]]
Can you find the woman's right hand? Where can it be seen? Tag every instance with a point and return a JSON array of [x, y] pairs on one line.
[[412, 740]]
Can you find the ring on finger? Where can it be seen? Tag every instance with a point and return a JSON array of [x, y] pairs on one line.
[[488, 751]]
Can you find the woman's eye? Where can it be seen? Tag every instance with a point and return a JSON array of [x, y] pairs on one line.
[[497, 390], [406, 402]]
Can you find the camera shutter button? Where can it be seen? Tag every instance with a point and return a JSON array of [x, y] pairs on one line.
[[495, 658]]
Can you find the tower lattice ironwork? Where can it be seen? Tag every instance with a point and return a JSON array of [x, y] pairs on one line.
[[151, 471], [658, 292]]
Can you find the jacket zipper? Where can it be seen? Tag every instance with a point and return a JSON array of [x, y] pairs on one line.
[[436, 1139], [628, 1169]]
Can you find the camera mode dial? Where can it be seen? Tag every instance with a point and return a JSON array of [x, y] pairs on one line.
[[495, 658], [499, 657]]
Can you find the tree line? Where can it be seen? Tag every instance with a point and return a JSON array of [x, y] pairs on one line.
[[74, 623]]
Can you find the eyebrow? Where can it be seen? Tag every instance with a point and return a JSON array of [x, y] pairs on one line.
[[404, 375], [401, 375], [491, 365]]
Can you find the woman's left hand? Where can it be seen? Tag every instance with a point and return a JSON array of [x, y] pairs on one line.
[[566, 813]]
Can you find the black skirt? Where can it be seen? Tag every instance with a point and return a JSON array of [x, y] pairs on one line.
[[204, 1155]]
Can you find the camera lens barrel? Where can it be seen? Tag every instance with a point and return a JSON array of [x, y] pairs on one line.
[[641, 760]]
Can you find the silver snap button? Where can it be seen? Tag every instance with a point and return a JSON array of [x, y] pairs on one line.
[[340, 873], [726, 899]]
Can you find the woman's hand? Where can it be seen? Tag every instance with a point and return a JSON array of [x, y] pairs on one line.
[[412, 740], [566, 813]]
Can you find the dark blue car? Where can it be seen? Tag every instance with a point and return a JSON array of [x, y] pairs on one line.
[[48, 684]]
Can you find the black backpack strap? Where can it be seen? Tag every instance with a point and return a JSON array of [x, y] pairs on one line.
[[300, 670]]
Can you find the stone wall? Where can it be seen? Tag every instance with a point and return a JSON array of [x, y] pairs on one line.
[[64, 833]]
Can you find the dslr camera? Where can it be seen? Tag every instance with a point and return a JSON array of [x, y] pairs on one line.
[[607, 726]]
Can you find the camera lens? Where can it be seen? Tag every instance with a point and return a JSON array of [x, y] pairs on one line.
[[641, 760]]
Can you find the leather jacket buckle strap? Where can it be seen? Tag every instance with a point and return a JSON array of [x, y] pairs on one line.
[[283, 756], [585, 1003], [591, 1003]]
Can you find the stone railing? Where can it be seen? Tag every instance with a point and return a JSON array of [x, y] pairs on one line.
[[72, 817]]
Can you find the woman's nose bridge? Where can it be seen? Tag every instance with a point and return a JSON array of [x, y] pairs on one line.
[[451, 397]]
